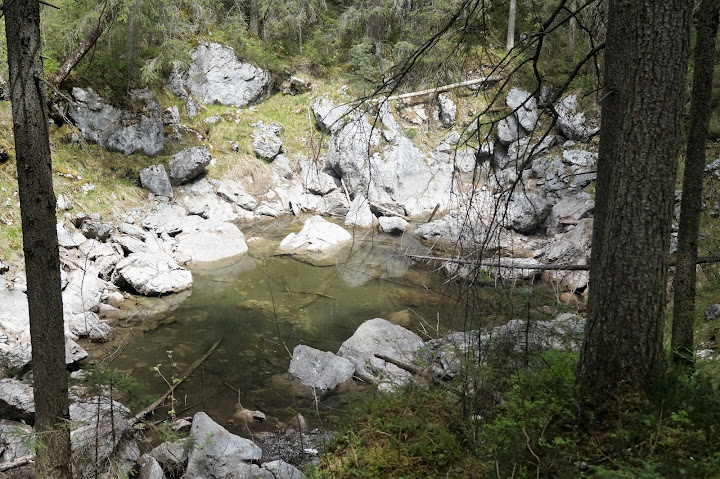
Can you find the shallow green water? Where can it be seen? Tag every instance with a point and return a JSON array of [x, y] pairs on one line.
[[263, 305]]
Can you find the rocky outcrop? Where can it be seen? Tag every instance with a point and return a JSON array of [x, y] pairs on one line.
[[188, 164], [217, 76], [359, 215], [115, 129], [330, 118], [379, 336]]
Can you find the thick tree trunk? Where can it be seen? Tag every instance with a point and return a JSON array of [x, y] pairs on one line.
[[645, 66], [683, 326], [511, 25], [40, 244], [79, 53]]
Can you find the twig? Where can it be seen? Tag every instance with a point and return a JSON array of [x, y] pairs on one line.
[[141, 415]]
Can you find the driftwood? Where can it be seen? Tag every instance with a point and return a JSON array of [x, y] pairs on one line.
[[387, 211], [141, 415], [452, 86], [543, 267], [20, 461]]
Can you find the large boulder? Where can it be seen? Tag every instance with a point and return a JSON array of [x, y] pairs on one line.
[[266, 140], [316, 237], [393, 225], [568, 212], [320, 370], [525, 212], [215, 453], [13, 443], [155, 179], [379, 336], [571, 247], [217, 76], [212, 241], [315, 180], [115, 129], [152, 274], [282, 470], [189, 164]]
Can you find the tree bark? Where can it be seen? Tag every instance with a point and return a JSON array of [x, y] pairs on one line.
[[40, 244], [511, 25], [683, 326], [254, 18], [645, 66], [106, 17]]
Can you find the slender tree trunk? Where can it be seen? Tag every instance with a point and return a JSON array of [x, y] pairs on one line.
[[79, 53], [683, 325], [131, 49], [40, 244], [511, 25], [254, 18], [572, 26], [645, 66]]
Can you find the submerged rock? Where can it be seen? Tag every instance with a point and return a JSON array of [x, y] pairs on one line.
[[320, 370], [316, 237], [212, 241]]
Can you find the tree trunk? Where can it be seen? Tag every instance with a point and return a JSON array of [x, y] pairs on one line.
[[40, 244], [570, 46], [254, 18], [79, 53], [645, 66], [131, 49], [511, 25], [683, 325]]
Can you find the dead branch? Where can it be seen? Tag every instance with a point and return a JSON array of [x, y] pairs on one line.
[[542, 267], [141, 415], [20, 461]]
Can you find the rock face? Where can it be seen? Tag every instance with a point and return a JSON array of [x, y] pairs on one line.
[[217, 76], [215, 453], [152, 274], [189, 164], [379, 336], [212, 241], [155, 179], [317, 237], [266, 140], [319, 370], [115, 129]]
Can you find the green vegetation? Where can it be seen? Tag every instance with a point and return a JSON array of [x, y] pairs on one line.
[[531, 424]]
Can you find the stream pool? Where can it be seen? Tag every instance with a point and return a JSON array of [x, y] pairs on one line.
[[262, 306]]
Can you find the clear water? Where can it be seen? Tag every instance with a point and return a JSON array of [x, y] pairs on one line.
[[263, 305]]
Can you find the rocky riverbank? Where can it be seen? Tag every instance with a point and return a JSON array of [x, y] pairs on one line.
[[517, 195]]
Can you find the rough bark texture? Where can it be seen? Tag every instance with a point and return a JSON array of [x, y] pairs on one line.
[[645, 65], [512, 14], [40, 245], [683, 326], [81, 50]]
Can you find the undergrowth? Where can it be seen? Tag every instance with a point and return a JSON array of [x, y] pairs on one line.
[[531, 424]]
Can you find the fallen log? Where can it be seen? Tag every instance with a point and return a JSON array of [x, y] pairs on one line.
[[141, 415], [542, 267], [440, 89], [20, 461]]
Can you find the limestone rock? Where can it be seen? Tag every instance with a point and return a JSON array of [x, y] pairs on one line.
[[212, 241], [189, 164], [572, 123], [359, 215], [214, 451], [448, 110], [155, 179], [115, 129], [379, 336], [526, 106], [316, 236], [330, 118], [393, 225], [16, 400], [152, 274], [266, 140], [320, 370]]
